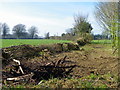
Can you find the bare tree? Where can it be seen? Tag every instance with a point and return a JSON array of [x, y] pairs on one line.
[[19, 29], [33, 31], [5, 29], [107, 16]]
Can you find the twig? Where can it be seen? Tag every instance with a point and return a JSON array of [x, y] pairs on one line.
[[20, 77]]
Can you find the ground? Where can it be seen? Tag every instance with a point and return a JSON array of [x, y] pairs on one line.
[[92, 59], [98, 68]]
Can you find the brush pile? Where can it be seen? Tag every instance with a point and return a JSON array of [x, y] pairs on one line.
[[29, 72], [26, 64]]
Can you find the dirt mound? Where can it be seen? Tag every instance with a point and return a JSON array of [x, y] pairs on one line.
[[23, 52], [51, 60], [19, 51], [23, 61], [92, 60], [59, 47]]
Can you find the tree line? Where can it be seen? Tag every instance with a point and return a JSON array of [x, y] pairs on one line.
[[18, 31], [82, 28]]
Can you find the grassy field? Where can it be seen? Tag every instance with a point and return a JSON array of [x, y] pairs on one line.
[[101, 42], [11, 42]]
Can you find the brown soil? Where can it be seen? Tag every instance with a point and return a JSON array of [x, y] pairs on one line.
[[36, 60], [97, 59]]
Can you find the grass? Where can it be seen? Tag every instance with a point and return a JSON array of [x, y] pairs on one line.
[[101, 41], [12, 42], [90, 81]]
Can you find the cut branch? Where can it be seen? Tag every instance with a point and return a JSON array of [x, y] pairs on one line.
[[17, 61], [24, 77]]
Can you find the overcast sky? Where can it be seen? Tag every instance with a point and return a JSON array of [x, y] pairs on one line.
[[53, 17]]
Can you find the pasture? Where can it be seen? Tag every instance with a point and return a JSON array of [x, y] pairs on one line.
[[101, 41], [15, 42]]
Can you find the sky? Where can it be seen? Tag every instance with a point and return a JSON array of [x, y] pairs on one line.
[[53, 17]]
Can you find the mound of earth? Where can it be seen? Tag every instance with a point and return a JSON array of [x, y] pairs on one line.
[[23, 52], [96, 59], [33, 63]]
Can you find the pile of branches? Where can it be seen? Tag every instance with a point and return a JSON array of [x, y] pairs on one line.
[[24, 52], [33, 72]]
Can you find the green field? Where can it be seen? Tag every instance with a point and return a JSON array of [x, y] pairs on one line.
[[12, 42], [101, 41]]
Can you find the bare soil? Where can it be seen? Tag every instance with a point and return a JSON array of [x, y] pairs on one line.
[[91, 58]]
